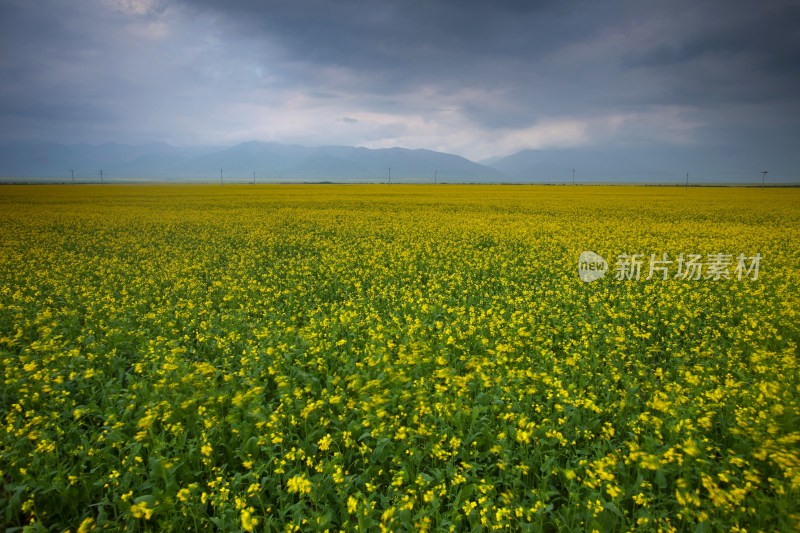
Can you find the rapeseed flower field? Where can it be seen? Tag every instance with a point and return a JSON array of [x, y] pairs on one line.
[[398, 358]]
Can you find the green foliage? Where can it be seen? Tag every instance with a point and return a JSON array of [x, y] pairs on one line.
[[400, 358]]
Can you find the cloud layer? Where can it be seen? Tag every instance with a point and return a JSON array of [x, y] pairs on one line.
[[475, 78]]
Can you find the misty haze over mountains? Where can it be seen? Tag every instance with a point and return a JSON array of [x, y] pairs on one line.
[[274, 162], [270, 162]]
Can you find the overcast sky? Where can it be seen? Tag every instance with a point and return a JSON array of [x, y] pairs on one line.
[[476, 78]]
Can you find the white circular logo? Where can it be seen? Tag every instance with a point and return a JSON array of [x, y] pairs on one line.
[[591, 267]]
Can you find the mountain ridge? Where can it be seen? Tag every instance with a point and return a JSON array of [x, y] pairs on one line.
[[270, 161]]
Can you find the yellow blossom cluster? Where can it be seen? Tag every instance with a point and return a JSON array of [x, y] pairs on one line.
[[395, 358]]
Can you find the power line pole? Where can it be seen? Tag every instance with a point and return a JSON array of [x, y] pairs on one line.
[[763, 178], [101, 177], [254, 177], [435, 177], [573, 177], [390, 175], [73, 176], [221, 183], [687, 181]]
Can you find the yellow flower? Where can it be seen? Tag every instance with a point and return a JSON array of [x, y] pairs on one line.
[[249, 522], [338, 475], [299, 484], [86, 525], [690, 447], [325, 442], [613, 491], [141, 510], [352, 504]]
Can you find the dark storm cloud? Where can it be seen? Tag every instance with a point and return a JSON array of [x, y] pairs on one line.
[[475, 77], [98, 62], [414, 41], [505, 46], [764, 46], [772, 37]]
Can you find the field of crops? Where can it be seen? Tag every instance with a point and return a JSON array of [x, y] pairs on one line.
[[324, 357]]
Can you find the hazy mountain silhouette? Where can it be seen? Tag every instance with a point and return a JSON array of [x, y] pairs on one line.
[[668, 165], [270, 162], [289, 162]]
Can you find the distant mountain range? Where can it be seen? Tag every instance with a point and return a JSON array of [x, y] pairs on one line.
[[668, 165], [269, 161], [283, 162]]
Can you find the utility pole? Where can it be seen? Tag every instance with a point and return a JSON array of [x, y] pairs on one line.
[[763, 178], [687, 181], [73, 176], [101, 177], [390, 175], [221, 183], [435, 176], [573, 177], [254, 177]]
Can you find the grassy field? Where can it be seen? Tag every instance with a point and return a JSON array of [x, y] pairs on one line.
[[276, 358]]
